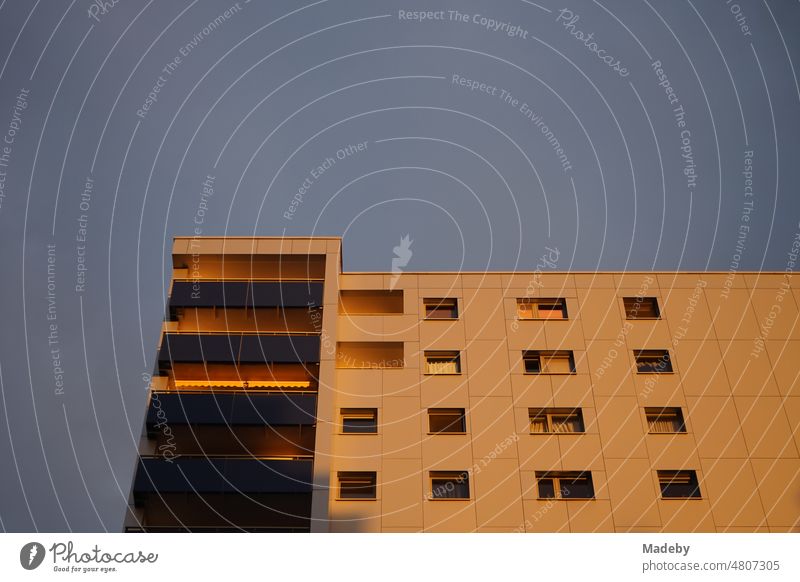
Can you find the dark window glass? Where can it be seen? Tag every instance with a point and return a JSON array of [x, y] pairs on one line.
[[653, 361], [533, 365], [678, 484], [359, 420], [565, 485], [576, 487], [441, 308], [444, 420], [361, 485], [547, 489], [446, 485], [641, 307]]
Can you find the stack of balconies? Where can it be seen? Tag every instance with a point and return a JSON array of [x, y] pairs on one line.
[[230, 427]]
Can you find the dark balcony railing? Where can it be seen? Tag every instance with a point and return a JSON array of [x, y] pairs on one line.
[[246, 294], [232, 409], [265, 512], [238, 348], [222, 475]]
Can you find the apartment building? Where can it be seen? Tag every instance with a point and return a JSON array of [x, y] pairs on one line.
[[289, 395]]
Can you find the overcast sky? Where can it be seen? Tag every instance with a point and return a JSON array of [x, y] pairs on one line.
[[615, 132]]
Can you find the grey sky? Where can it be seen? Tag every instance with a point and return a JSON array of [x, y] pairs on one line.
[[590, 159]]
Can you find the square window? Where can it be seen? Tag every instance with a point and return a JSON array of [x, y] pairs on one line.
[[447, 420], [565, 484], [442, 363], [556, 420], [359, 420], [541, 308], [652, 361], [357, 485], [441, 308], [449, 485], [665, 420], [641, 308], [548, 362], [678, 484]]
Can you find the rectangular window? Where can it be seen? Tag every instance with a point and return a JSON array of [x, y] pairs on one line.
[[665, 420], [548, 362], [441, 308], [357, 485], [449, 485], [678, 484], [641, 308], [539, 308], [359, 420], [442, 363], [556, 420], [565, 484], [652, 361], [447, 420]]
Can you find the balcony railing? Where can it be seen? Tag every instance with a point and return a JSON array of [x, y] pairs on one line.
[[223, 475], [232, 408]]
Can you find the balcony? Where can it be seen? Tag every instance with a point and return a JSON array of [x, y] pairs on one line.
[[271, 512], [245, 294], [222, 475], [261, 320], [235, 348], [232, 408], [245, 441], [249, 378], [278, 267]]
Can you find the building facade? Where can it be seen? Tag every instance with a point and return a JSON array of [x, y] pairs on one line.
[[289, 395]]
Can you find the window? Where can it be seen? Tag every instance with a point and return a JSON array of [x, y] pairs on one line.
[[442, 363], [556, 420], [359, 420], [652, 361], [641, 308], [565, 485], [357, 485], [539, 362], [447, 420], [528, 308], [449, 485], [678, 484], [441, 308], [665, 420]]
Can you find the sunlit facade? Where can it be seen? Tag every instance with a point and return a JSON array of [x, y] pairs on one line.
[[289, 395]]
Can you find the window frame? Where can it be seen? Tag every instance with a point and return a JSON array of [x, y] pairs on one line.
[[691, 479], [555, 477], [661, 411], [443, 412], [442, 354], [641, 300], [449, 476], [370, 477], [536, 301], [651, 353], [358, 413], [549, 412], [437, 303], [528, 355]]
